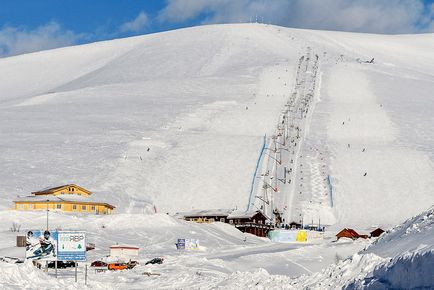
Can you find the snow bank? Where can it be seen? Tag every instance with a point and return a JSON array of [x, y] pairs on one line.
[[407, 271], [26, 276]]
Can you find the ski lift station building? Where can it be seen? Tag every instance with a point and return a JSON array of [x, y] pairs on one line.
[[66, 198]]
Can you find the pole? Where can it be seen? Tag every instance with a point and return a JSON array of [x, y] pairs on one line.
[[47, 214], [55, 267], [75, 272], [85, 275]]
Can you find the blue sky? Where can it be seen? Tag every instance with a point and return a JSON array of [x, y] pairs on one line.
[[31, 25]]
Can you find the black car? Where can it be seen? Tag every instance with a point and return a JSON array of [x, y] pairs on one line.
[[61, 264]]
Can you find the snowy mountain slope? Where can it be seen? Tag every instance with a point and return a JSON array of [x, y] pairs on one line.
[[162, 93], [201, 99]]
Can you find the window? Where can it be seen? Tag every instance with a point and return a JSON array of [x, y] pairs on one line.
[[59, 206], [260, 221], [93, 207], [231, 221], [21, 206], [30, 205], [83, 207], [74, 207], [222, 220], [211, 220]]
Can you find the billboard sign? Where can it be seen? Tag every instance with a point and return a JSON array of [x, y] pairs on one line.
[[41, 245], [187, 244], [71, 246], [56, 245]]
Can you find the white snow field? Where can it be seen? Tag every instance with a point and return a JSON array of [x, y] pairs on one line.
[[201, 100]]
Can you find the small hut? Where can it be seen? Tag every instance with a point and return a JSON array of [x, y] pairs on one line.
[[376, 233], [294, 225], [124, 252], [348, 233]]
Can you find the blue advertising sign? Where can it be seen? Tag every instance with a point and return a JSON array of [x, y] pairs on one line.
[[71, 246]]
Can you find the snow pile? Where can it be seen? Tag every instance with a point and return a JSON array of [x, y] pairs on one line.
[[26, 276], [259, 279], [407, 271], [337, 275]]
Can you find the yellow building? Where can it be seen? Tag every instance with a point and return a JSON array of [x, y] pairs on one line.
[[67, 198]]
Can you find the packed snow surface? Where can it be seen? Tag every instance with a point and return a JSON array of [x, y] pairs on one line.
[[175, 121]]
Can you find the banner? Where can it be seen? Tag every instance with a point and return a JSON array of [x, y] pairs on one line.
[[56, 245], [41, 245], [288, 236], [187, 244]]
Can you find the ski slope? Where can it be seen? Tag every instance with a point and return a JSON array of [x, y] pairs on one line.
[[201, 99], [176, 120]]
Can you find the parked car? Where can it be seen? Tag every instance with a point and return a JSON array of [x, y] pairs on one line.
[[61, 264], [98, 264], [117, 266]]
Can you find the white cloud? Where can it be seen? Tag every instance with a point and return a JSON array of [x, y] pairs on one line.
[[16, 40], [379, 16], [138, 24]]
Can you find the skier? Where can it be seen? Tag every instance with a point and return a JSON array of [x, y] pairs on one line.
[[47, 245], [31, 241]]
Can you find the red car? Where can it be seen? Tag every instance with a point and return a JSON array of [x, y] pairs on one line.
[[98, 264]]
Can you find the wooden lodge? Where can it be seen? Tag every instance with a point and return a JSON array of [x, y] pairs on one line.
[[65, 198], [252, 222], [207, 216]]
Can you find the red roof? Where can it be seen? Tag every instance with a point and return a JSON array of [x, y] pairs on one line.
[[348, 233]]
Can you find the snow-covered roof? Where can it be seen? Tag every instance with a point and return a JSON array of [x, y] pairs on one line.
[[244, 214], [208, 212], [94, 198], [54, 188]]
